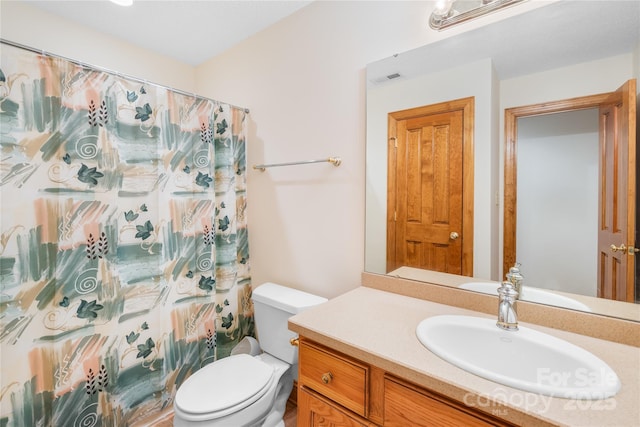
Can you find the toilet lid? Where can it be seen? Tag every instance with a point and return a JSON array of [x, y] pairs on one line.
[[223, 384]]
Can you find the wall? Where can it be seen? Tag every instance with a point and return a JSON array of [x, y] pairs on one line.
[[604, 75], [304, 81], [32, 27]]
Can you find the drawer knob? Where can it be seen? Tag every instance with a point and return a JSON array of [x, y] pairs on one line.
[[294, 342], [326, 378]]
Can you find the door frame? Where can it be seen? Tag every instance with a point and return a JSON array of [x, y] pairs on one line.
[[466, 105], [511, 116]]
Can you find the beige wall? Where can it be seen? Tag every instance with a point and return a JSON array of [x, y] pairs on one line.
[[304, 81]]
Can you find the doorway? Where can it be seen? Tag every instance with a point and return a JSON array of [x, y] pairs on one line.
[[557, 210], [615, 254]]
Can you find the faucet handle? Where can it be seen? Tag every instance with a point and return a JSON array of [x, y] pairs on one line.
[[516, 278], [507, 291], [515, 271]]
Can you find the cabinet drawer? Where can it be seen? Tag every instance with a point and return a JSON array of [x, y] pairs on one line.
[[337, 377], [408, 405]]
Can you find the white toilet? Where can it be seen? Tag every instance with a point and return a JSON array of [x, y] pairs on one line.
[[247, 389]]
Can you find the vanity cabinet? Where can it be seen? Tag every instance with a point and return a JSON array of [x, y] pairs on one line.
[[335, 389]]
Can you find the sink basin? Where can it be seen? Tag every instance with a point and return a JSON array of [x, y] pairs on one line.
[[530, 294], [525, 359]]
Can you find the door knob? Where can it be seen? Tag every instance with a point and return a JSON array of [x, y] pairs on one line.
[[621, 248], [453, 235]]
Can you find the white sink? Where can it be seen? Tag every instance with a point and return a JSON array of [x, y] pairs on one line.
[[529, 294], [525, 359]]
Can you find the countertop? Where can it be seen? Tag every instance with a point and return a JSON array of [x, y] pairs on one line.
[[378, 327]]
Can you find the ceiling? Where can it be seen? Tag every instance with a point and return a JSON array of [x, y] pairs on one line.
[[193, 31], [553, 36], [185, 30]]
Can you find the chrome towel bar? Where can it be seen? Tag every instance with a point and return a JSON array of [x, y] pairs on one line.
[[334, 160]]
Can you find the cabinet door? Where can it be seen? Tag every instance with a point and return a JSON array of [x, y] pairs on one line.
[[315, 411], [407, 405]]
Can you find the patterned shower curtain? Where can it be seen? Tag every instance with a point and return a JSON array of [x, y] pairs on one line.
[[123, 249]]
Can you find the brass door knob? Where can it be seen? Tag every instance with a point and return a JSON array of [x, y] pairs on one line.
[[294, 342], [453, 235], [621, 248], [327, 377]]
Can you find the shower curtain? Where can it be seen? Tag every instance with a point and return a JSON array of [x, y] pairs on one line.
[[124, 259]]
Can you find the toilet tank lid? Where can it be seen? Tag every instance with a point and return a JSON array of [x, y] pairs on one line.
[[290, 300]]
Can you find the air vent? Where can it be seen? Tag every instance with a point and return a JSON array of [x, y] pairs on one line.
[[384, 79]]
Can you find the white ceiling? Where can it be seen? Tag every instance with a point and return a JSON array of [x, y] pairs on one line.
[[192, 31], [186, 30], [556, 35]]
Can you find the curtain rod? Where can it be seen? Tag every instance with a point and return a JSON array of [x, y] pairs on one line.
[[116, 73]]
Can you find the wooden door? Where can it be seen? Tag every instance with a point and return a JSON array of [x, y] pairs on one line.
[[617, 195], [430, 188]]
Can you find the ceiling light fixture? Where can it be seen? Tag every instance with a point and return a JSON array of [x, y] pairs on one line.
[[122, 2], [451, 12]]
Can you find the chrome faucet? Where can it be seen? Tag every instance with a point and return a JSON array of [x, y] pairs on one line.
[[507, 314], [516, 278]]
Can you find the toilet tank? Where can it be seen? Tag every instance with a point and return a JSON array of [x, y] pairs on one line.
[[273, 305]]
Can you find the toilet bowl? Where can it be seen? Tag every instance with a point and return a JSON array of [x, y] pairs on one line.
[[257, 381], [248, 389]]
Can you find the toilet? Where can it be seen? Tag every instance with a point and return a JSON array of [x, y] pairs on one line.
[[250, 387]]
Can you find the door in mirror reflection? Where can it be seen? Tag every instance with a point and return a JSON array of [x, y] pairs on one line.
[[616, 220], [428, 198]]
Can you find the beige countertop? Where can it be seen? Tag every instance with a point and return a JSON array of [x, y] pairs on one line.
[[378, 327]]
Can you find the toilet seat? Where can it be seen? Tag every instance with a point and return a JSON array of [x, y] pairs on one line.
[[225, 386]]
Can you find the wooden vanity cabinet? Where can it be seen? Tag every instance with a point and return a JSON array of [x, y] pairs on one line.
[[338, 390]]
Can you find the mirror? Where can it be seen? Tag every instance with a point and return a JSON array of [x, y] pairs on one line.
[[562, 50]]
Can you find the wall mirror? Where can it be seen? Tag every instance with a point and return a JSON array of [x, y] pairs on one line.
[[559, 51]]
